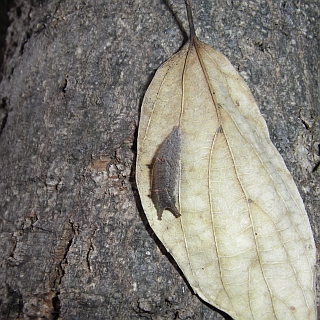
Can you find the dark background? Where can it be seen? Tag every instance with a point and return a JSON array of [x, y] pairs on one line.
[[74, 241]]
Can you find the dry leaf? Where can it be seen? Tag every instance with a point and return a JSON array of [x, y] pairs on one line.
[[243, 239]]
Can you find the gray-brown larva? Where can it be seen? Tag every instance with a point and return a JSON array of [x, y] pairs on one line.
[[165, 174]]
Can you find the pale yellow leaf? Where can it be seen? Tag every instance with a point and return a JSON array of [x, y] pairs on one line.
[[243, 239]]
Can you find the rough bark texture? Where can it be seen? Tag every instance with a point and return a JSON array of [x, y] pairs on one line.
[[74, 239]]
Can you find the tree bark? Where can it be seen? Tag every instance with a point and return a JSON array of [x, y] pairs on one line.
[[74, 240]]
